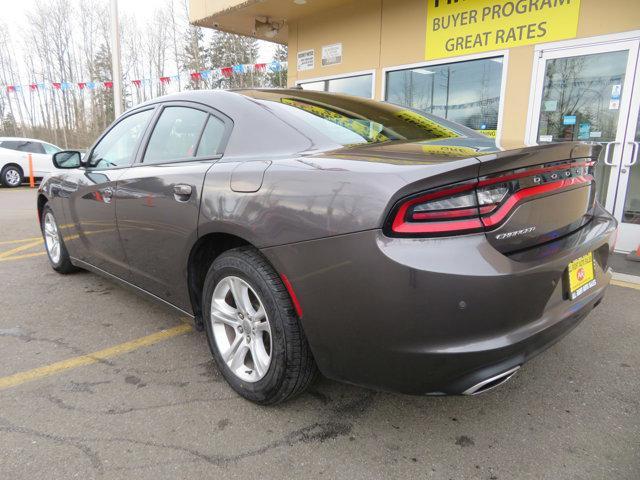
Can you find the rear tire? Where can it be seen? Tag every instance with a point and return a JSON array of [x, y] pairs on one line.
[[285, 366], [54, 243], [11, 176]]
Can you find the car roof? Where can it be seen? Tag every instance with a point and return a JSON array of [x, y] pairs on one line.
[[25, 139]]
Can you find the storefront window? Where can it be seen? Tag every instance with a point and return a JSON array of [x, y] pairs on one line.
[[465, 92], [360, 85]]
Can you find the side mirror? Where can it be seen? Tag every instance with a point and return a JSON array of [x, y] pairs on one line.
[[67, 159]]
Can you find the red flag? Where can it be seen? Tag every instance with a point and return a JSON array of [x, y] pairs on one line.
[[108, 84], [33, 86], [137, 83], [227, 71], [81, 85], [165, 79], [56, 85], [11, 88], [196, 76], [260, 67]]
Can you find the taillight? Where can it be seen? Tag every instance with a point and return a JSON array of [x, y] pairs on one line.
[[483, 204]]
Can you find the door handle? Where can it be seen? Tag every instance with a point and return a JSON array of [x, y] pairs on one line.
[[634, 154], [606, 153], [182, 191]]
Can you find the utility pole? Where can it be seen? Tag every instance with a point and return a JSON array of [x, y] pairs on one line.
[[116, 69]]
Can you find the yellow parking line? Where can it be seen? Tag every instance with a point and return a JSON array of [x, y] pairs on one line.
[[48, 370], [620, 283], [30, 239], [20, 257], [26, 246]]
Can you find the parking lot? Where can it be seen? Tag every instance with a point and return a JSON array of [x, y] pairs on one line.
[[96, 382]]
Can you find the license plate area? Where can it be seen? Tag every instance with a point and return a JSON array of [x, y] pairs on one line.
[[580, 276]]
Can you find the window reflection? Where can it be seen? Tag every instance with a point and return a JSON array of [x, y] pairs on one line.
[[465, 92], [360, 85]]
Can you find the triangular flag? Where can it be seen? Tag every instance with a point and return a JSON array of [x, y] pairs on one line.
[[11, 88], [108, 84], [81, 85], [196, 76], [56, 85], [33, 86], [137, 83]]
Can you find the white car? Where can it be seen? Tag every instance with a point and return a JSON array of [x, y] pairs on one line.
[[14, 159]]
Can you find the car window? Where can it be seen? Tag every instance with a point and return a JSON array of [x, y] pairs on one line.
[[175, 134], [211, 137], [117, 147], [10, 144], [32, 147], [50, 149], [23, 146]]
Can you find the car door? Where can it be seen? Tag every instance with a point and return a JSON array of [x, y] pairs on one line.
[[12, 153], [92, 232], [158, 198]]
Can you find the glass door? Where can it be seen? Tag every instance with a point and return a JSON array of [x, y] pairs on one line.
[[586, 93], [627, 205]]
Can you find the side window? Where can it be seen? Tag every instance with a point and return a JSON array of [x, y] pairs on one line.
[[117, 147], [50, 149], [211, 137], [11, 144], [32, 147], [175, 134]]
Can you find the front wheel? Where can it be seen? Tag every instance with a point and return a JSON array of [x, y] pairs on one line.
[[54, 243], [253, 331], [11, 176]]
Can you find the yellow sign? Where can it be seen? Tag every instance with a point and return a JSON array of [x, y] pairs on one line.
[[581, 275], [462, 27]]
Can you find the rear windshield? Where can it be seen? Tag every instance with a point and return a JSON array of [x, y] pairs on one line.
[[350, 120]]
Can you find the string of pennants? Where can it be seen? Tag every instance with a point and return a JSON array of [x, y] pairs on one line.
[[215, 73]]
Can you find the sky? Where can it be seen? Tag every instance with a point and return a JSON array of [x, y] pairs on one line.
[[14, 13]]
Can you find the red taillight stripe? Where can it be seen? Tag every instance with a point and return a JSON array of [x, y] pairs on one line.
[[521, 195], [292, 294]]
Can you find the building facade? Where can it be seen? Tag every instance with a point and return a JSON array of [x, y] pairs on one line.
[[522, 71]]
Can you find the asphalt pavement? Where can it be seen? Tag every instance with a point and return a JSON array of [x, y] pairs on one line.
[[97, 382]]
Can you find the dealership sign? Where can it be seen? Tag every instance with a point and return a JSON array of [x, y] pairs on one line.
[[462, 27]]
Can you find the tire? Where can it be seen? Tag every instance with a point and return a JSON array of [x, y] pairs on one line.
[[59, 259], [291, 368], [11, 176]]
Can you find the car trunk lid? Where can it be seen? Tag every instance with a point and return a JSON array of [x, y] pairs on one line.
[[549, 192]]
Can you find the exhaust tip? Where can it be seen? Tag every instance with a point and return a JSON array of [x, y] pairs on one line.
[[491, 382]]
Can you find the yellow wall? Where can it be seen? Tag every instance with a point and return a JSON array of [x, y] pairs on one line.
[[384, 33]]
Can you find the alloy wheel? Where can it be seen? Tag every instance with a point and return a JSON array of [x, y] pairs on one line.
[[52, 237], [12, 177], [241, 329]]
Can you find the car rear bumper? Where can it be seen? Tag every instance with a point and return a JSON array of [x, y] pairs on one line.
[[436, 316]]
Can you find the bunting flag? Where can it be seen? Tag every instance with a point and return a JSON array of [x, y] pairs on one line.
[[226, 72]]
